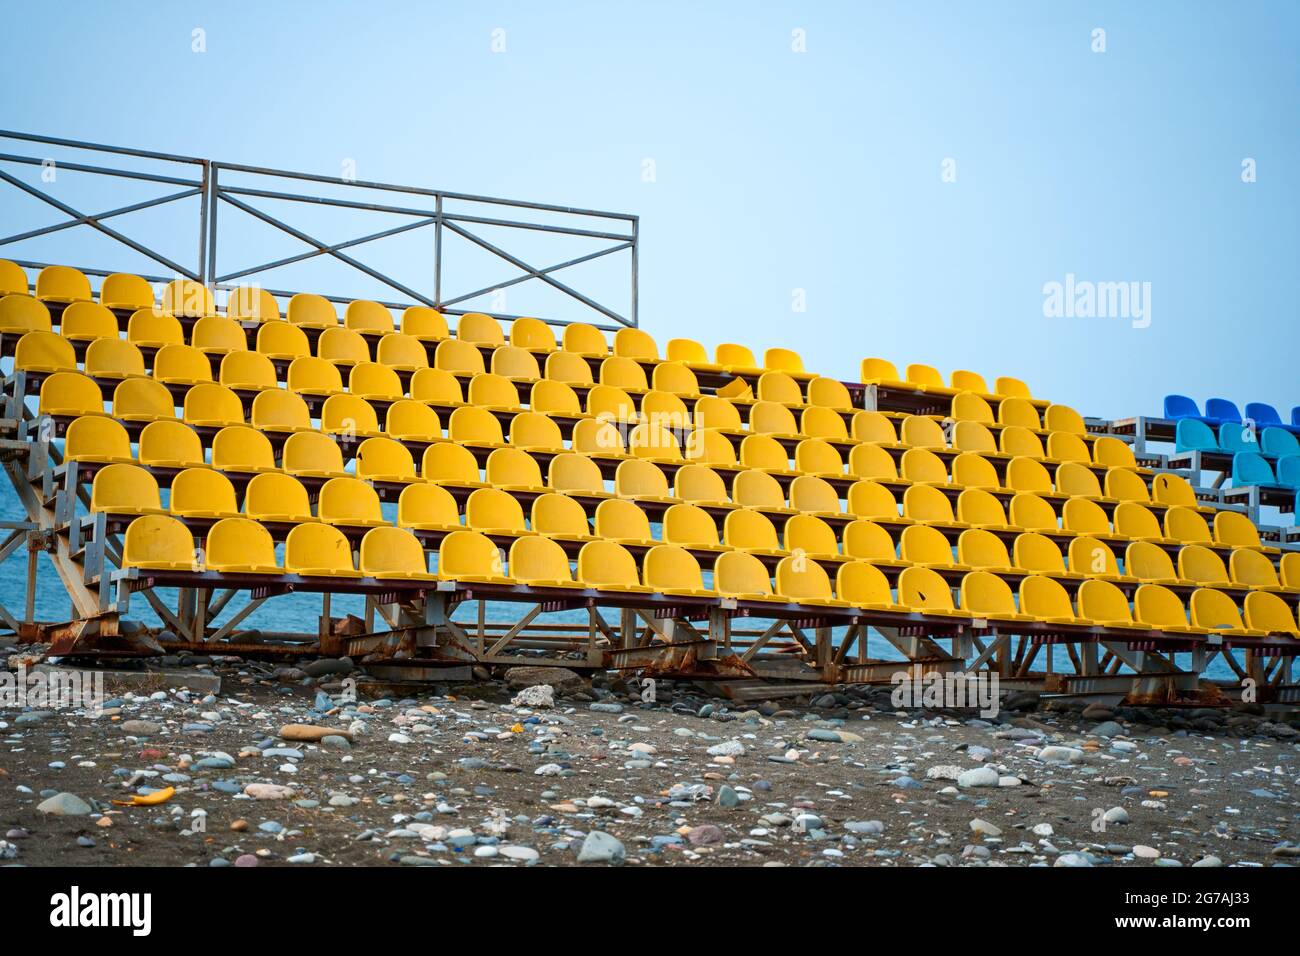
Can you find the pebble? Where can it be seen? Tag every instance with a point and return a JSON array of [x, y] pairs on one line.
[[600, 847]]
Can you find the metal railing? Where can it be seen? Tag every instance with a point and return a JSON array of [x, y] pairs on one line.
[[449, 216]]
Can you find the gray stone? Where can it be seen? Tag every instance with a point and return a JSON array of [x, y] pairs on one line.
[[600, 847], [65, 805]]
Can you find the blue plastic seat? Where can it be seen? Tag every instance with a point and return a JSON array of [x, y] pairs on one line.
[[1220, 410], [1262, 414], [1288, 471], [1192, 434], [1180, 406], [1277, 442], [1235, 438], [1295, 417], [1250, 469]]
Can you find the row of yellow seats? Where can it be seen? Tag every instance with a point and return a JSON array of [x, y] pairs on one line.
[[927, 378], [242, 546]]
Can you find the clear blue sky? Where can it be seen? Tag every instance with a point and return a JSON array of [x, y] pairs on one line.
[[778, 170]]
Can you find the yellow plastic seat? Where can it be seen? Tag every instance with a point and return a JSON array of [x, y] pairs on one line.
[[1067, 446], [665, 410], [1187, 525], [1076, 480], [280, 340], [125, 489], [981, 549], [372, 381], [635, 344], [424, 323], [922, 466], [714, 412], [70, 394], [870, 499], [747, 530], [44, 352], [785, 360], [344, 347], [576, 474], [516, 364], [1133, 520], [1063, 418], [569, 368], [319, 550], [690, 526], [561, 517], [275, 410], [1150, 563], [540, 562], [653, 443], [452, 465], [1012, 387], [114, 358], [513, 469], [170, 445], [480, 329], [830, 394], [532, 334], [707, 446], [1289, 568], [1233, 529], [1103, 604], [742, 576], [781, 388], [241, 449], [314, 376], [470, 556], [771, 418], [87, 321], [13, 280], [1113, 453], [700, 485], [470, 425], [187, 298], [757, 489], [349, 501], [981, 509], [825, 423], [463, 358], [493, 511], [987, 596], [247, 370], [343, 414], [22, 313], [157, 542], [814, 495], [1033, 513], [867, 541], [668, 569], [1044, 599], [437, 386], [124, 291], [766, 454], [611, 404], [1084, 516], [924, 591], [607, 566], [802, 581], [1025, 474], [970, 470], [149, 328], [394, 554], [1217, 613], [622, 521], [640, 479], [383, 459], [812, 536], [427, 507], [1200, 565], [1159, 608], [812, 456], [249, 303], [181, 365], [277, 497], [62, 284], [408, 354], [1094, 559], [409, 420], [1019, 412], [311, 311], [622, 372], [1124, 484], [676, 379], [1039, 554], [367, 317], [1019, 442], [872, 462], [1173, 491], [737, 359], [921, 432], [1269, 613], [554, 398], [218, 335], [203, 493], [692, 354], [313, 455], [974, 437], [862, 585], [494, 392], [972, 408], [143, 400], [240, 546], [920, 544], [98, 439], [929, 505], [1252, 569]]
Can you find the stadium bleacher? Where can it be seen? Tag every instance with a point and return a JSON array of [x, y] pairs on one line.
[[528, 467]]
